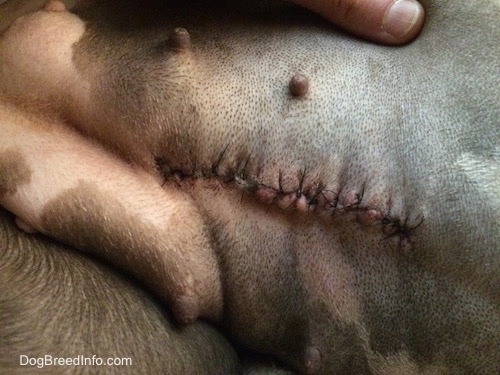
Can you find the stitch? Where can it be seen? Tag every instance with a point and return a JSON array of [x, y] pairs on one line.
[[347, 200], [243, 172], [320, 196], [205, 174], [313, 197], [313, 200], [280, 181], [301, 183], [332, 201], [405, 230], [386, 221], [248, 185], [270, 205], [389, 225], [215, 166], [241, 178], [360, 195], [351, 200], [312, 203], [220, 180], [162, 168], [158, 161], [179, 174], [400, 230], [335, 204], [196, 173], [390, 231], [178, 178], [287, 201]]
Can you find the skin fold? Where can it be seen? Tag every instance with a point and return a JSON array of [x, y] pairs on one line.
[[57, 302], [125, 230], [329, 202]]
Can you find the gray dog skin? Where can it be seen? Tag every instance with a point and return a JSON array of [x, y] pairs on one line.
[[57, 302], [330, 202]]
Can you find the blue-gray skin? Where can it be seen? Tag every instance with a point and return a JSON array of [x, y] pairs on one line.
[[57, 302], [350, 191]]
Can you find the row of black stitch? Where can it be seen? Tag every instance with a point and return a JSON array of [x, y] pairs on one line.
[[400, 228]]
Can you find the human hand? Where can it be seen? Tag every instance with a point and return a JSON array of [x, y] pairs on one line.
[[384, 21]]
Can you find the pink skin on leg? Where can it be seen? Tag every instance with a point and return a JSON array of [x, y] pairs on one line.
[[55, 181], [60, 184]]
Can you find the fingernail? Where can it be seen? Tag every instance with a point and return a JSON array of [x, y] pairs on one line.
[[401, 16]]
